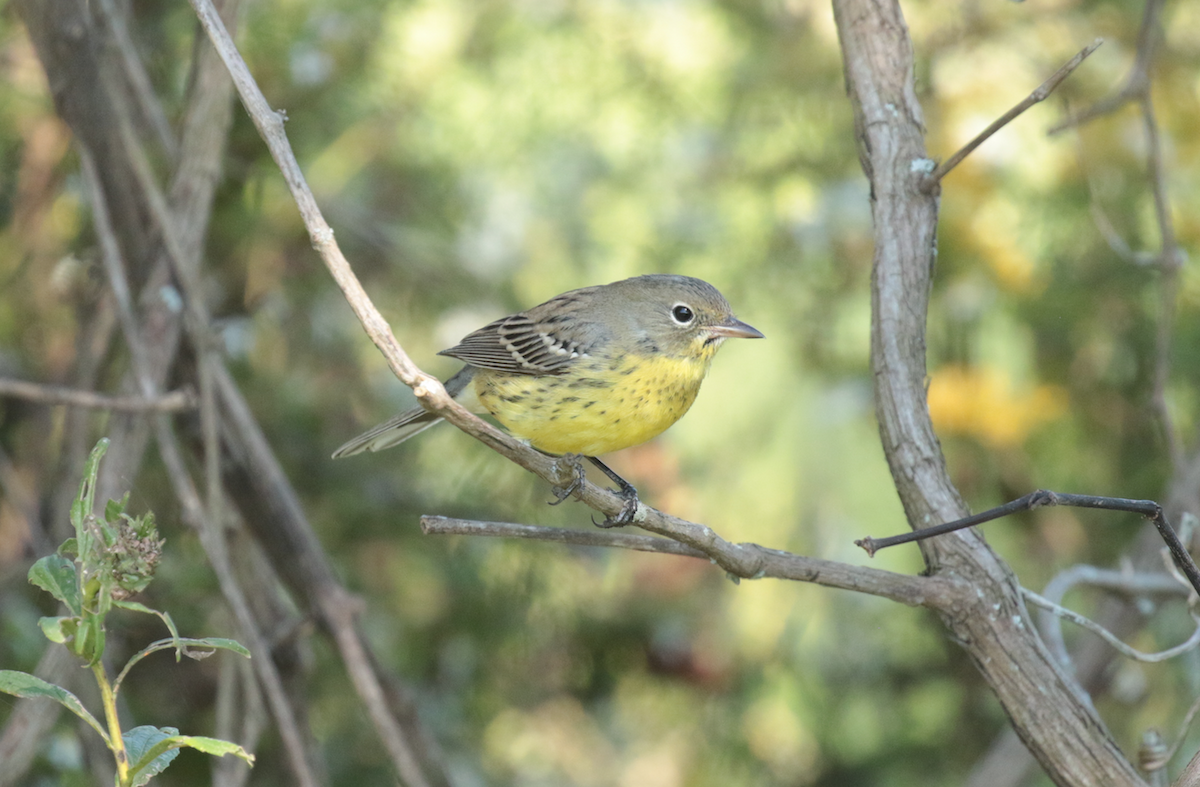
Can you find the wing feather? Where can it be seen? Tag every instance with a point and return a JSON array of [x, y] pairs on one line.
[[547, 339]]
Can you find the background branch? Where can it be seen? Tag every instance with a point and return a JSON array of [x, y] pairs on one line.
[[172, 401]]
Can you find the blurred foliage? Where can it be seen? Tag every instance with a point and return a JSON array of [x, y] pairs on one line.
[[476, 158]]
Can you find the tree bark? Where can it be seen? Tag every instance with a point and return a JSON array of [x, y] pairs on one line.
[[988, 617]]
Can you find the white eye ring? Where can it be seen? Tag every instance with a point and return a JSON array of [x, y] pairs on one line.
[[682, 313]]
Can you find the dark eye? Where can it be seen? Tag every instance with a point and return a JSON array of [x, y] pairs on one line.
[[682, 314]]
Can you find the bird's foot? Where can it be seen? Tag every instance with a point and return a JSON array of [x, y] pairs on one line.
[[561, 493], [626, 490]]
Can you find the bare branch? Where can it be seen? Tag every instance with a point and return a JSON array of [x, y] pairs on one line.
[[139, 81], [174, 401], [1138, 81], [1135, 584], [450, 526], [1059, 727], [429, 390], [934, 592], [1170, 260], [1042, 497], [1188, 718], [1066, 614], [1036, 97], [168, 448]]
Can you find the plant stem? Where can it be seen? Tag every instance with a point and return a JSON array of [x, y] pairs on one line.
[[116, 741]]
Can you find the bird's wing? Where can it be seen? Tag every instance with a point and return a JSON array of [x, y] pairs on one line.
[[546, 339]]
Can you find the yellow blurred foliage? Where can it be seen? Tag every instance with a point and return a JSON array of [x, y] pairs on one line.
[[982, 403], [779, 738], [995, 231], [557, 741]]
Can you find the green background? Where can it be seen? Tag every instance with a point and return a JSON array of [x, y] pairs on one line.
[[476, 158]]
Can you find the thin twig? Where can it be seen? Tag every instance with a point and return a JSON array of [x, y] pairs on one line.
[[172, 458], [1036, 97], [933, 592], [139, 81], [243, 722], [1190, 777], [1115, 242], [1079, 620], [196, 322], [1137, 584], [1188, 718], [328, 601], [1138, 81], [174, 401], [1042, 497], [1170, 260]]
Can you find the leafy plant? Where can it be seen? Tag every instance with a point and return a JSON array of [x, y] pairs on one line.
[[111, 558]]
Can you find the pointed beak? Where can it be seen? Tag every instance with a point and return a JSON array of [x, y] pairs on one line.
[[733, 328]]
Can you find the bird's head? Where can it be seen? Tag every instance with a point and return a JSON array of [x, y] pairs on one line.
[[678, 316]]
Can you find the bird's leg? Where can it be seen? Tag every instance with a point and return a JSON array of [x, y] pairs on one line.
[[561, 493], [626, 491]]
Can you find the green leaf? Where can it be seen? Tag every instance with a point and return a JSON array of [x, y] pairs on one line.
[[103, 600], [217, 643], [213, 746], [115, 509], [187, 646], [161, 744], [58, 629], [56, 575], [22, 684], [85, 501], [140, 742], [151, 749], [89, 639]]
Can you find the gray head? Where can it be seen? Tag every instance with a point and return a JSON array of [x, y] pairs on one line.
[[681, 315]]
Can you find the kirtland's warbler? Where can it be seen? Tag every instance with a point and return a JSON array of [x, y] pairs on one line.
[[587, 372]]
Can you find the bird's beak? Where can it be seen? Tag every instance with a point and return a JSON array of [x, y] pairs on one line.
[[733, 328]]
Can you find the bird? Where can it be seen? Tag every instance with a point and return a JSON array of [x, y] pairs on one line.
[[586, 373]]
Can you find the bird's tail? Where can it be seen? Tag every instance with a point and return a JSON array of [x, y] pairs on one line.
[[407, 424]]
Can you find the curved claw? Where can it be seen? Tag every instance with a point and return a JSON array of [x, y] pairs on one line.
[[625, 515], [562, 493]]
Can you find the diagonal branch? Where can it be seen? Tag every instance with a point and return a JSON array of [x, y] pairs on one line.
[[1137, 82], [429, 390], [933, 592], [1036, 97], [210, 530]]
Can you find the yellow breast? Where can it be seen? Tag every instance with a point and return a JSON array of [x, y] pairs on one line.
[[599, 406]]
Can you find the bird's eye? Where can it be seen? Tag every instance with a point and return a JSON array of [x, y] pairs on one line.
[[682, 314]]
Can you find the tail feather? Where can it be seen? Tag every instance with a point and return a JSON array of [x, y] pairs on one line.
[[412, 422], [389, 433]]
